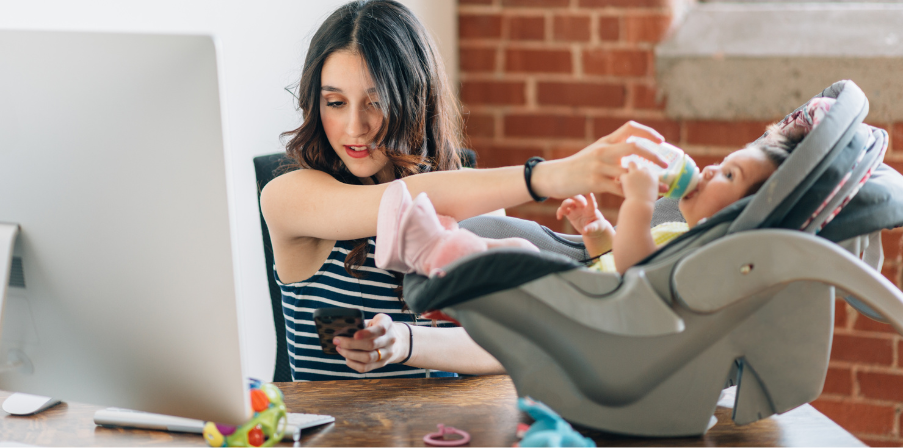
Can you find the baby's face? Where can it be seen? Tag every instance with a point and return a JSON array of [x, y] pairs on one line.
[[723, 184]]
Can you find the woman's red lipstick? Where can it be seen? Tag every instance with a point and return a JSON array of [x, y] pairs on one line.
[[364, 152]]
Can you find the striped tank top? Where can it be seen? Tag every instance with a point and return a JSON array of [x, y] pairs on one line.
[[332, 286]]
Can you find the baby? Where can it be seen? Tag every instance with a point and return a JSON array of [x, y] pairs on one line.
[[740, 174], [411, 237]]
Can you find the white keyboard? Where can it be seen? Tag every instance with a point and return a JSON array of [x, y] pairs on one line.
[[145, 420]]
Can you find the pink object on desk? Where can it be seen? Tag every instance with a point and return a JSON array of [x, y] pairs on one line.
[[438, 438]]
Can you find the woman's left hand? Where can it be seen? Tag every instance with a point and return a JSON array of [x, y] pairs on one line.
[[597, 167], [378, 344], [631, 129]]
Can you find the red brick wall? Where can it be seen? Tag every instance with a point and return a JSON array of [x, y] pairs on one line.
[[547, 77]]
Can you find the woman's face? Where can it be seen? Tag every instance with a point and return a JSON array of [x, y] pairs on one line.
[[723, 184], [351, 117]]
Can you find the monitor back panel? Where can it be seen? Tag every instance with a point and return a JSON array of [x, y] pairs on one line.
[[112, 162]]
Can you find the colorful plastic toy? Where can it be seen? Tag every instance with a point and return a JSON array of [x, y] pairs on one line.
[[549, 429], [265, 428]]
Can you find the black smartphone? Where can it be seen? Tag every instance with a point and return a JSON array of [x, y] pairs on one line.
[[332, 322]]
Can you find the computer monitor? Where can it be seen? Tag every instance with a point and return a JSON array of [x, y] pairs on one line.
[[112, 168]]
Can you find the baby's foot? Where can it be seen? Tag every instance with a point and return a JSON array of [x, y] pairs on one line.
[[395, 203], [420, 233], [451, 247], [463, 242], [412, 237], [512, 242], [448, 222]]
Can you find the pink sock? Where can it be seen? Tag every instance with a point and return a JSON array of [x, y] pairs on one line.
[[419, 234], [448, 222], [412, 237], [453, 246], [427, 244], [393, 206]]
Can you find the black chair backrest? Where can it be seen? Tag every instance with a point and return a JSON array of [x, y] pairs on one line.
[[266, 169]]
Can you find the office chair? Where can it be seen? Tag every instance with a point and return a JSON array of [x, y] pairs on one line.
[[266, 168]]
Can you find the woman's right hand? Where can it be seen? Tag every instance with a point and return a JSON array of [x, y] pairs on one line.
[[595, 168], [381, 342]]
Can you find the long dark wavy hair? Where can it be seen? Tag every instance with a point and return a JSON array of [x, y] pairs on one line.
[[421, 127]]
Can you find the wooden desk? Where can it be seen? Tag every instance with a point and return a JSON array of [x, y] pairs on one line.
[[400, 412]]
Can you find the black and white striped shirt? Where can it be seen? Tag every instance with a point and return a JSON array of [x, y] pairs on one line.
[[332, 286]]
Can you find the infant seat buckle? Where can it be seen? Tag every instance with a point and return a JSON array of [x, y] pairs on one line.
[[439, 315]]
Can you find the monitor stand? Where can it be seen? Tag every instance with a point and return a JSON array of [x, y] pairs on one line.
[[8, 234], [17, 403]]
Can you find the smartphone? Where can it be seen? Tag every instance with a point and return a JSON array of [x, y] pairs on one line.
[[332, 322]]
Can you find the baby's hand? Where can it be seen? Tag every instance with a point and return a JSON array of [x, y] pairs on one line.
[[639, 183], [584, 215]]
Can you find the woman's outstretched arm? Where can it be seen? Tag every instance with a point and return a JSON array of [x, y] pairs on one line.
[[308, 203]]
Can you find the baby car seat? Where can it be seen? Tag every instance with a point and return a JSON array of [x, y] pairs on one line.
[[745, 298]]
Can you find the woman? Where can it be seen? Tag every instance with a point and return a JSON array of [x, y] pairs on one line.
[[377, 107]]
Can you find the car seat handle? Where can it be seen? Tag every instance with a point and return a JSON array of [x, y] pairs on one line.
[[744, 264]]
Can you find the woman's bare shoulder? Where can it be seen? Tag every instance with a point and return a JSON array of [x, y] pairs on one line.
[[291, 180], [287, 197], [292, 188]]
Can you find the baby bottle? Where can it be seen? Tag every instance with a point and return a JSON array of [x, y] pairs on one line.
[[681, 175]]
